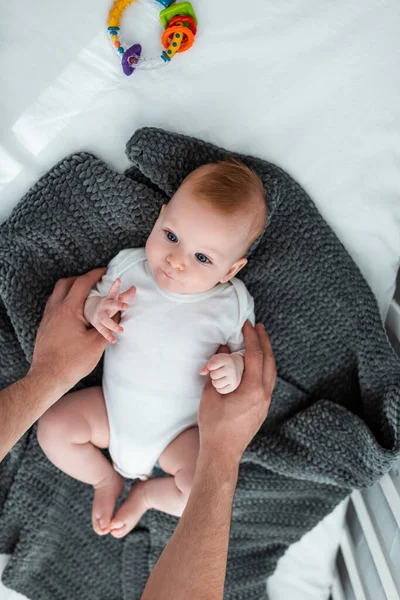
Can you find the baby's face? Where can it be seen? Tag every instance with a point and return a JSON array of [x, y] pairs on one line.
[[193, 247]]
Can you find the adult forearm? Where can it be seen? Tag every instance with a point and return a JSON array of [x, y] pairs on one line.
[[193, 564], [22, 404]]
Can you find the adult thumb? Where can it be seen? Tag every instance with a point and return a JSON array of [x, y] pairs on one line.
[[98, 340], [223, 350]]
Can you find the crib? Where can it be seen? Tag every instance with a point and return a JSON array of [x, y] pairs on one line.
[[368, 559]]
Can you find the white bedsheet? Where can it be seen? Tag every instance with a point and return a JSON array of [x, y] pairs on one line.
[[310, 85]]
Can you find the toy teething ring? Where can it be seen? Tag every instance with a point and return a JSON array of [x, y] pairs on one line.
[[179, 22]]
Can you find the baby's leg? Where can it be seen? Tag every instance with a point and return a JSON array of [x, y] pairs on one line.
[[70, 433], [168, 494]]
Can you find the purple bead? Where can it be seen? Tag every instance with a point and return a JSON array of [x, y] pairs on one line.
[[130, 58]]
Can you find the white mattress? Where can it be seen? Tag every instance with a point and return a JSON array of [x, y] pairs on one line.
[[310, 85]]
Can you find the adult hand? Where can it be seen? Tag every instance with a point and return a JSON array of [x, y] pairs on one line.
[[228, 423], [66, 348]]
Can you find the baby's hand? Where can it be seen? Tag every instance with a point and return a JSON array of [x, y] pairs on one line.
[[99, 310], [225, 370]]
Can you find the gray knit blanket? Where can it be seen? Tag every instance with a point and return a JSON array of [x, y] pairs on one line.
[[334, 419]]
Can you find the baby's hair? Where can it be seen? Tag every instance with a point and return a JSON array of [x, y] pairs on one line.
[[232, 188]]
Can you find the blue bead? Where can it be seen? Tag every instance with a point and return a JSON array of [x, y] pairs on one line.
[[121, 50], [165, 57], [114, 28]]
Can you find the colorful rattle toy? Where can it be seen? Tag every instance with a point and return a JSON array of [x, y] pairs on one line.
[[179, 22]]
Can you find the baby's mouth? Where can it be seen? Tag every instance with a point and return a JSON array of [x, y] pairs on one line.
[[167, 274]]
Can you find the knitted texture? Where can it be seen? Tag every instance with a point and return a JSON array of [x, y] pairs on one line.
[[333, 424]]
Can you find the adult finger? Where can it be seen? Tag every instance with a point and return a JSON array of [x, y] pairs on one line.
[[60, 291], [269, 365], [253, 359], [97, 339], [81, 287], [223, 350]]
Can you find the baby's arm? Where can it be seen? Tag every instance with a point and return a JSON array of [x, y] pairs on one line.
[[105, 300], [226, 370]]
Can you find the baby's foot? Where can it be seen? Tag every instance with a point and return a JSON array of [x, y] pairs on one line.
[[105, 495], [131, 511]]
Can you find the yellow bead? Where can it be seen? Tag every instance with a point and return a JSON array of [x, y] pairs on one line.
[[116, 11]]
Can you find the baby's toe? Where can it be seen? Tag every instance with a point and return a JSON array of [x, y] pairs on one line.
[[101, 517], [120, 531], [104, 500], [130, 513], [100, 525]]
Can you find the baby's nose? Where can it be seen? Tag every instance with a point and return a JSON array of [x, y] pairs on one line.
[[176, 261]]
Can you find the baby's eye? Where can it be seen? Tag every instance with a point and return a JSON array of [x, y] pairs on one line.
[[202, 258], [171, 236]]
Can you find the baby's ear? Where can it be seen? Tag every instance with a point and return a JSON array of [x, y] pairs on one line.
[[164, 206], [235, 268]]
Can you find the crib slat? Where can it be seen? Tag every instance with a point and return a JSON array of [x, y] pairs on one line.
[[392, 496], [347, 548], [375, 547]]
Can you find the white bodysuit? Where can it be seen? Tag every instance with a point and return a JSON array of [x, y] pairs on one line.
[[151, 382]]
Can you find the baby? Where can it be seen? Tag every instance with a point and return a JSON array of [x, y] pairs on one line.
[[181, 302]]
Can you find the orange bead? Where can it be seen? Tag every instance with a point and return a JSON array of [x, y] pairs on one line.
[[117, 44]]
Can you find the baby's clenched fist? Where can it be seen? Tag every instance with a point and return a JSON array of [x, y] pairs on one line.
[[225, 371]]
